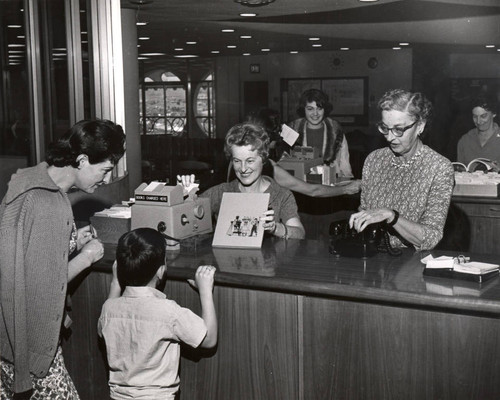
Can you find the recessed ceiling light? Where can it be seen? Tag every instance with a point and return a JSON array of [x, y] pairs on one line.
[[314, 38], [245, 37], [404, 44], [192, 42], [231, 46], [316, 45], [21, 37], [142, 58], [179, 48], [186, 56], [227, 30], [490, 46], [152, 54], [16, 51], [215, 52], [396, 48], [15, 45], [248, 15], [14, 26], [344, 48], [294, 52], [141, 23], [368, 1], [498, 49], [143, 38], [246, 54], [265, 49]]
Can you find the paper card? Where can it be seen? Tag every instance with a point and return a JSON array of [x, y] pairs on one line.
[[476, 268], [238, 223], [289, 135]]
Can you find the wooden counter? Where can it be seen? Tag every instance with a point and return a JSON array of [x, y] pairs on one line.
[[478, 220], [296, 322]]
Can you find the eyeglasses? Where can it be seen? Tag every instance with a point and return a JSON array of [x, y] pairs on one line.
[[396, 131]]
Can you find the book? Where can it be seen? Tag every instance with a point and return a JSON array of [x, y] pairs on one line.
[[482, 164], [238, 223], [453, 267]]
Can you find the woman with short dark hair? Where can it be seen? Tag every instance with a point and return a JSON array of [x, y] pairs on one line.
[[316, 129], [484, 140], [37, 237]]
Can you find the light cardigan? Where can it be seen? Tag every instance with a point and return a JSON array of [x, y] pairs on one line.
[[35, 227], [335, 150]]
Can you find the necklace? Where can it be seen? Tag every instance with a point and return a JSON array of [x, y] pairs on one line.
[[397, 163]]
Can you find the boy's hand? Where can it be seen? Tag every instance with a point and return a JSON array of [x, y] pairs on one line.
[[203, 279]]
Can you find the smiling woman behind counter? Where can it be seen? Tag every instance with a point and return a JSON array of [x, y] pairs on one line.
[[247, 147]]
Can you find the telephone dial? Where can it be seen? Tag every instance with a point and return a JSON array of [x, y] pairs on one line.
[[345, 241]]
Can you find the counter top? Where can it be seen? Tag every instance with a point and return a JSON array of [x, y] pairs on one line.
[[306, 267], [475, 199]]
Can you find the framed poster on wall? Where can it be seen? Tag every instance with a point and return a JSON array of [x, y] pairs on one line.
[[349, 97]]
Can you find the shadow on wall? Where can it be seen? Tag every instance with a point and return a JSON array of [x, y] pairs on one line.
[[456, 235], [85, 205]]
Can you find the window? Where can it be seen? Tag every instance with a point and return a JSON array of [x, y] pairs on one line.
[[165, 109], [168, 107], [204, 106]]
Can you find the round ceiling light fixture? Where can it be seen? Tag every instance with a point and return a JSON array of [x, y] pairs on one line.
[[140, 2], [254, 3]]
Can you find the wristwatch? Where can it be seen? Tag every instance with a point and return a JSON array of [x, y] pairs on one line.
[[395, 219]]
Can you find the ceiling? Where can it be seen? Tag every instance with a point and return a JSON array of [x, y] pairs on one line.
[[288, 25]]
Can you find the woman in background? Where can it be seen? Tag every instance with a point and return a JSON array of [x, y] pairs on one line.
[[319, 131], [406, 185], [270, 120], [484, 140], [37, 237]]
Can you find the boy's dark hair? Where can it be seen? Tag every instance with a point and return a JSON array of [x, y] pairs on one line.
[[139, 255], [100, 140]]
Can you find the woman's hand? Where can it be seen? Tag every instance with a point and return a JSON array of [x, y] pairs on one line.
[[360, 220], [93, 250], [185, 180], [268, 222], [83, 236], [352, 187]]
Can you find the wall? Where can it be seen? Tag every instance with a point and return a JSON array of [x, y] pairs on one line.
[[394, 67]]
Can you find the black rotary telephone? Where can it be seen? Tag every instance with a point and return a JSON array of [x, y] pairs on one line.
[[347, 242]]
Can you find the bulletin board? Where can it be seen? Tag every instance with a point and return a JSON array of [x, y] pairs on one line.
[[349, 97]]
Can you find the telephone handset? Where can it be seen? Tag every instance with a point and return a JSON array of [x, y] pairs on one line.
[[345, 241]]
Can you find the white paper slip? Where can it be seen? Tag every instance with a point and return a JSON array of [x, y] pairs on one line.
[[476, 268], [289, 135], [439, 262]]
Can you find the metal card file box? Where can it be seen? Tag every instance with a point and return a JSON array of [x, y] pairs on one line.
[[162, 207]]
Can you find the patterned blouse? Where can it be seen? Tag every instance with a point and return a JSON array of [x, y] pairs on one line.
[[420, 189]]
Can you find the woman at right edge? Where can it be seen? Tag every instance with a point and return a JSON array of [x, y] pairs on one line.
[[406, 185]]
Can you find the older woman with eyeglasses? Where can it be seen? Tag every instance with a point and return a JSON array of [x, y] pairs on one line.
[[406, 186]]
